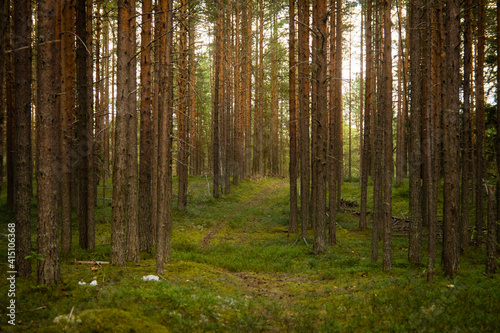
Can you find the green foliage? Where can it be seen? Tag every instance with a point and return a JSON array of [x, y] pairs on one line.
[[236, 269]]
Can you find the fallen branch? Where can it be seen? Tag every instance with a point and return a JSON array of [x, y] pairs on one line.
[[91, 262]]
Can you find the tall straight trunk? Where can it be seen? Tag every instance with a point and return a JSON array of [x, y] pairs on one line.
[[333, 122], [466, 131], [146, 138], [349, 159], [480, 121], [216, 103], [164, 137], [401, 119], [369, 99], [84, 129], [195, 147], [248, 89], [159, 52], [304, 84], [105, 110], [68, 102], [3, 27], [120, 165], [259, 129], [49, 271], [428, 131], [237, 33], [227, 108], [451, 146], [182, 116], [314, 124], [415, 232], [438, 56], [361, 86], [10, 107], [133, 209], [98, 114], [292, 93], [22, 133], [497, 139], [274, 100], [378, 143], [337, 112], [386, 94], [321, 77]]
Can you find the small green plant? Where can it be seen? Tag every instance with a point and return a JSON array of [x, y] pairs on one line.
[[34, 256]]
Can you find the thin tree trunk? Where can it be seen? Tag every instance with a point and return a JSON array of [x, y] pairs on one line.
[[451, 166], [480, 121], [120, 165], [388, 158], [22, 133], [146, 138], [321, 141], [10, 106], [304, 84], [292, 93], [165, 138], [84, 128], [133, 199], [216, 103], [48, 269], [415, 232], [466, 132], [68, 102], [366, 156], [182, 131], [497, 141], [401, 126], [3, 27]]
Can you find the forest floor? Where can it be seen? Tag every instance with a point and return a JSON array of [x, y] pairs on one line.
[[235, 268]]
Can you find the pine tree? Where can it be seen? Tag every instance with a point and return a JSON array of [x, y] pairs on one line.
[[22, 133], [49, 271]]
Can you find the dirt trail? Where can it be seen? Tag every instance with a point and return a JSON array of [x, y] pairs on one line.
[[259, 198]]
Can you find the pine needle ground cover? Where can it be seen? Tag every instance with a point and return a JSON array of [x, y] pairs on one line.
[[236, 269]]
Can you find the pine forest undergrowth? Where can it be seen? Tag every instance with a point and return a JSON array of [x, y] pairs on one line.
[[235, 268]]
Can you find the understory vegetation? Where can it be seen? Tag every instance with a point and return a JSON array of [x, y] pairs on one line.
[[235, 268]]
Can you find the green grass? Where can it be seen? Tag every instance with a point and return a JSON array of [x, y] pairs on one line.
[[234, 268]]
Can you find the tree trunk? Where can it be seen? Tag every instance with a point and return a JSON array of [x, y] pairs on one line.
[[48, 235], [146, 137], [386, 94], [304, 84], [320, 75], [451, 166], [164, 137], [274, 101], [480, 121], [132, 168], [10, 106], [216, 103], [121, 166], [68, 103], [3, 27], [84, 128], [292, 93], [401, 119], [497, 141], [466, 131], [369, 95], [491, 251], [415, 232], [22, 132], [182, 116]]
